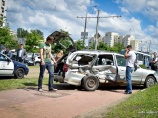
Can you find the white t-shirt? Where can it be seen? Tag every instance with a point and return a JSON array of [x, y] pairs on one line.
[[20, 52], [130, 60]]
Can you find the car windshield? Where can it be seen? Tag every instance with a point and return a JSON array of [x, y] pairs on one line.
[[2, 57]]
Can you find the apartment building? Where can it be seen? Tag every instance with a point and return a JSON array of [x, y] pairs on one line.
[[3, 12], [92, 40], [110, 38], [135, 44]]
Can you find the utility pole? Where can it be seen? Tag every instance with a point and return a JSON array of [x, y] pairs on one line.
[[85, 33], [85, 30], [96, 37], [149, 45]]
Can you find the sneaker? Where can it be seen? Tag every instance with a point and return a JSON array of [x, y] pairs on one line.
[[128, 92], [40, 90], [53, 89]]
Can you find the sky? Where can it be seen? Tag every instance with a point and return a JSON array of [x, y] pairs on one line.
[[138, 18]]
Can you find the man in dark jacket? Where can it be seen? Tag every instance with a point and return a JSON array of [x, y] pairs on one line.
[[21, 54], [153, 62]]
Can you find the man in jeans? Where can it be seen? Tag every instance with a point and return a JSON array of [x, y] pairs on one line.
[[46, 57], [130, 57]]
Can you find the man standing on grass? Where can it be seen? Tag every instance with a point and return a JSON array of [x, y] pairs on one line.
[[46, 57], [130, 57]]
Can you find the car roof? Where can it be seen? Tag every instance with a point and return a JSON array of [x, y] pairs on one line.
[[97, 52]]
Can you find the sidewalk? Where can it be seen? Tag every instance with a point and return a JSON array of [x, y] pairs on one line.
[[65, 103]]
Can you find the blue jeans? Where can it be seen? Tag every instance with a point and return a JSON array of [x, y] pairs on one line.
[[129, 71], [49, 67]]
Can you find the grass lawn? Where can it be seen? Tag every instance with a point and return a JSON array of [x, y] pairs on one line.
[[6, 84], [143, 104]]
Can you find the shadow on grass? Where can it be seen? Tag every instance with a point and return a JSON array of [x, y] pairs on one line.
[[30, 84], [6, 77]]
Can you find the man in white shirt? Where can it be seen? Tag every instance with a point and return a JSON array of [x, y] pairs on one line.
[[130, 57]]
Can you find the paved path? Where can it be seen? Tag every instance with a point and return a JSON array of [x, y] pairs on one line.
[[67, 102]]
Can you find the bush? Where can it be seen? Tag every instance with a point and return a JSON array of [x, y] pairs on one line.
[[143, 66]]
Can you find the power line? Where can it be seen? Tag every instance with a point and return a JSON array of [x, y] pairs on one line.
[[97, 25]]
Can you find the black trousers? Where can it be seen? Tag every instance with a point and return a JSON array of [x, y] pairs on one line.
[[20, 59]]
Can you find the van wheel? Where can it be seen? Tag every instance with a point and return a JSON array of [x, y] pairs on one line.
[[150, 81], [90, 83], [37, 64], [19, 73]]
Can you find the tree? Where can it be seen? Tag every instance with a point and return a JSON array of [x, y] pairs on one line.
[[7, 39], [21, 33], [33, 40], [1, 21], [118, 47], [79, 45]]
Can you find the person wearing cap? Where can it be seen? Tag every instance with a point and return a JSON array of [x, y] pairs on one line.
[[46, 58], [21, 53]]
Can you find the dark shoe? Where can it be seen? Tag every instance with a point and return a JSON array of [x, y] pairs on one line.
[[53, 89], [128, 92]]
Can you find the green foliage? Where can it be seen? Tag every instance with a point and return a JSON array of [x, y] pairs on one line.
[[1, 21], [33, 41], [102, 46], [21, 33], [6, 38], [143, 104], [79, 45], [143, 66], [19, 83], [118, 46]]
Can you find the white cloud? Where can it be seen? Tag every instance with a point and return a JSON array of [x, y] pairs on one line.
[[52, 15], [147, 7], [124, 10]]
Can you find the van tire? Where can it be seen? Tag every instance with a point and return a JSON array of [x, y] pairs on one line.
[[90, 83], [149, 81], [37, 63]]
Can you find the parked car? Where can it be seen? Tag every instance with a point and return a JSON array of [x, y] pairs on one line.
[[9, 67], [29, 61], [34, 61], [37, 60], [91, 68]]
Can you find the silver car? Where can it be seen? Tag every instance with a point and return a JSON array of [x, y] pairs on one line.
[[90, 68]]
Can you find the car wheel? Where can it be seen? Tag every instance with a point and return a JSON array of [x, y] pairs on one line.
[[37, 64], [19, 73], [90, 83], [150, 81]]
